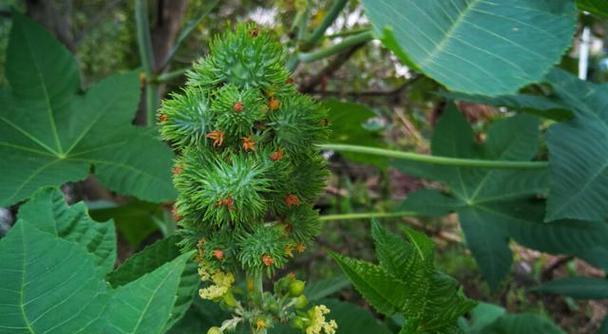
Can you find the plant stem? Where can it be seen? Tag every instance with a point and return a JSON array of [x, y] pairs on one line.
[[257, 280], [346, 43], [366, 215], [334, 11], [144, 44], [437, 160], [168, 76]]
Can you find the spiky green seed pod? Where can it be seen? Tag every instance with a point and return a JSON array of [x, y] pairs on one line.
[[247, 171]]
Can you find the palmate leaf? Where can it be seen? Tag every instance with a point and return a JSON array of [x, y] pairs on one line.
[[578, 151], [495, 206], [54, 134], [486, 47], [52, 281], [430, 300], [477, 192]]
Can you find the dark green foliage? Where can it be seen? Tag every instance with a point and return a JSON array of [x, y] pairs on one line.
[[406, 282], [246, 140]]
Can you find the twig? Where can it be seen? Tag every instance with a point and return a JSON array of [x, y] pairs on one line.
[[547, 273], [330, 69]]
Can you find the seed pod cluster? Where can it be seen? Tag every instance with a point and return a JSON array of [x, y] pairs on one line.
[[247, 170]]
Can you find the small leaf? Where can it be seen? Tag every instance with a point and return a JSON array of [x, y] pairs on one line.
[[380, 289], [522, 324], [577, 287], [325, 287], [346, 121], [595, 7], [134, 220]]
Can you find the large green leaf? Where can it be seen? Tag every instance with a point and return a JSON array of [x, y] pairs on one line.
[[145, 305], [487, 47], [596, 7], [52, 283], [578, 151], [153, 257], [53, 133], [49, 285], [577, 287], [48, 212], [430, 300], [478, 194]]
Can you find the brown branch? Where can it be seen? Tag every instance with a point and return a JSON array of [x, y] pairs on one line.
[[166, 29], [330, 69], [547, 273], [58, 22]]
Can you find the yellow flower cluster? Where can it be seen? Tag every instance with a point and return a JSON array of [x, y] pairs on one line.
[[318, 324], [222, 282]]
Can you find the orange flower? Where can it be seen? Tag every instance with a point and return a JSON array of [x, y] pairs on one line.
[[276, 155], [300, 247], [217, 137], [268, 261], [163, 118], [176, 216], [274, 104], [238, 107], [177, 170], [248, 144], [228, 202], [292, 200], [218, 254]]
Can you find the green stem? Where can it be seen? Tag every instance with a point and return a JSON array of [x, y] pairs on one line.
[[437, 160], [346, 43], [334, 11], [257, 280], [168, 76], [367, 215], [144, 44]]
